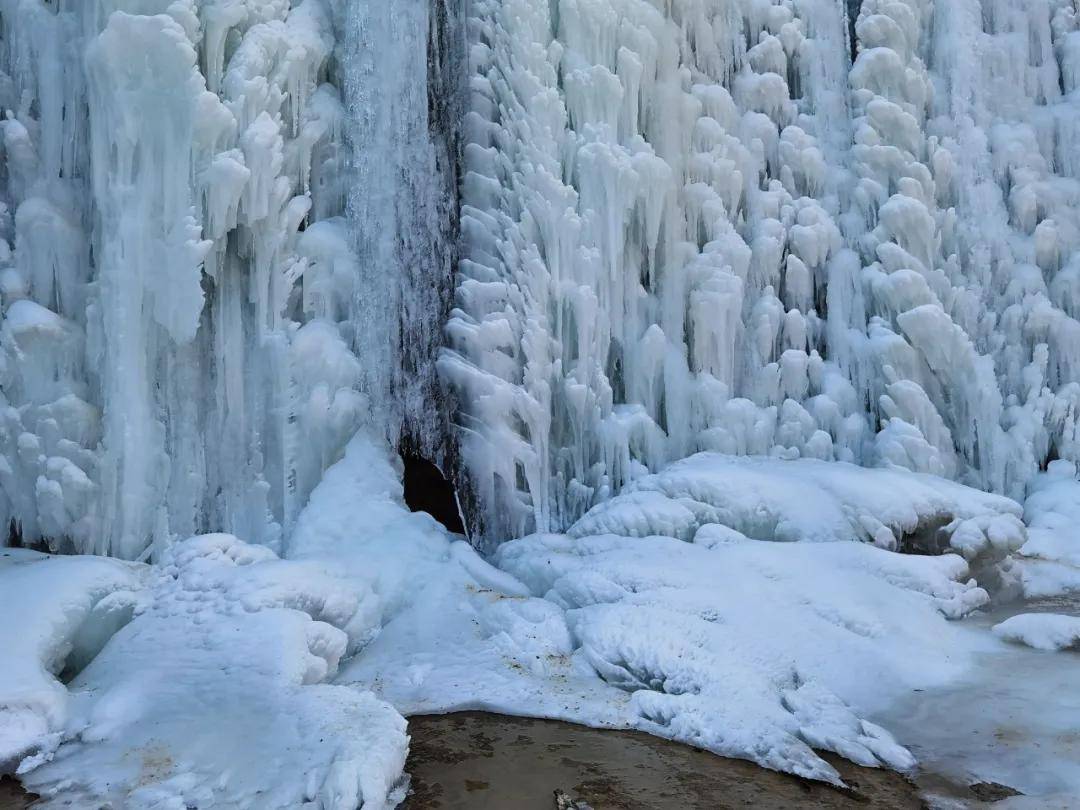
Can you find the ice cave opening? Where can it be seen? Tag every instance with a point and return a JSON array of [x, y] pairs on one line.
[[427, 489]]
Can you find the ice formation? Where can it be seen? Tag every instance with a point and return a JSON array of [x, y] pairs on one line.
[[710, 308], [704, 642], [58, 616], [697, 226], [203, 210], [800, 230], [213, 668]]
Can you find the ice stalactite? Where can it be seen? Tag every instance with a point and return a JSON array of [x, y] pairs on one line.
[[835, 229], [696, 227], [966, 191], [650, 219], [190, 275]]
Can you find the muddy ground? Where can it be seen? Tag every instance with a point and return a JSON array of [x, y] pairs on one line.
[[483, 761]]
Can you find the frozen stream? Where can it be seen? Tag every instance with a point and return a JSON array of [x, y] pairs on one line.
[[1015, 720]]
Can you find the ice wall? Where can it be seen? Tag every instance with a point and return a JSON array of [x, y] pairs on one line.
[[802, 228], [216, 215]]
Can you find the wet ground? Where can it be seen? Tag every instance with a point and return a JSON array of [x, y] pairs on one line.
[[12, 796], [1013, 720], [477, 761]]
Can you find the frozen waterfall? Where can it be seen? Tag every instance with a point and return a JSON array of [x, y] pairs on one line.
[[743, 334], [230, 229], [228, 234], [698, 226]]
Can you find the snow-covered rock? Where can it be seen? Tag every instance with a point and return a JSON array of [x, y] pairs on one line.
[[1043, 631]]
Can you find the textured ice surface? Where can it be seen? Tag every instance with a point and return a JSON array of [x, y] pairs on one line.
[[744, 645], [698, 226], [58, 614], [712, 255], [812, 500], [215, 693], [748, 648], [1043, 631]]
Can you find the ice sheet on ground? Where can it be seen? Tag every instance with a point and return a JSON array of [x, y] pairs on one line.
[[1011, 718], [747, 648]]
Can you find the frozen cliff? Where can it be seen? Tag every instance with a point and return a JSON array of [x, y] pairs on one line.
[[230, 231], [694, 225]]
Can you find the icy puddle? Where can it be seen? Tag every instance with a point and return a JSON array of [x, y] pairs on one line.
[[476, 760], [1015, 720]]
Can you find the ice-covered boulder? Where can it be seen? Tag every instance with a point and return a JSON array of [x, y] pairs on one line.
[[1043, 631]]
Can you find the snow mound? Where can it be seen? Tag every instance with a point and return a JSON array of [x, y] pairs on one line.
[[1043, 631], [760, 650], [810, 500], [58, 613], [215, 694], [754, 649]]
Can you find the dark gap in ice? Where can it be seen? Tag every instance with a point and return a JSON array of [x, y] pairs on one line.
[[929, 537], [15, 539], [854, 7], [428, 490]]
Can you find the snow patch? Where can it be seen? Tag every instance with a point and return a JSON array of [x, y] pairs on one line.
[[1043, 631]]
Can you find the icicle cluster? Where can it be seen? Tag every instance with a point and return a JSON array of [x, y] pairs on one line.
[[188, 270], [799, 228], [692, 225]]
